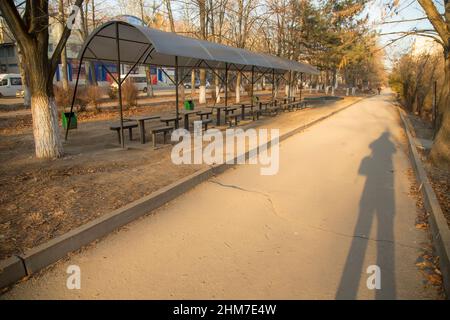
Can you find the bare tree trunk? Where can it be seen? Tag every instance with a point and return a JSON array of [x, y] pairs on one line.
[[204, 34], [45, 125], [181, 86], [238, 88], [217, 87], [148, 75], [31, 34], [440, 152], [202, 91], [89, 66], [170, 15], [24, 76], [192, 84], [90, 71], [172, 29], [64, 75], [47, 139]]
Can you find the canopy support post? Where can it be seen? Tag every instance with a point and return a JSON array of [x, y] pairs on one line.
[[73, 98], [226, 84], [252, 81], [289, 85], [176, 92], [119, 85], [301, 85], [273, 84]]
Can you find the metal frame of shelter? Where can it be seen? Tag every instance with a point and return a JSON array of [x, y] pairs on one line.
[[124, 43]]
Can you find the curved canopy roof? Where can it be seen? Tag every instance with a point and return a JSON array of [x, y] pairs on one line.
[[151, 46]]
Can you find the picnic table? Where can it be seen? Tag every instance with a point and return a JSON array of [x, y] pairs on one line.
[[204, 113], [186, 114], [265, 104], [140, 120], [126, 125], [169, 118], [246, 106], [226, 109]]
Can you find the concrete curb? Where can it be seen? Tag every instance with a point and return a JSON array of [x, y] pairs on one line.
[[440, 231], [15, 268], [11, 270]]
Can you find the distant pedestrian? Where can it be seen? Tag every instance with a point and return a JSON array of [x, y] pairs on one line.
[[379, 90]]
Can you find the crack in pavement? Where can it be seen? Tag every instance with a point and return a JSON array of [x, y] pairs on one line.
[[363, 237], [267, 196]]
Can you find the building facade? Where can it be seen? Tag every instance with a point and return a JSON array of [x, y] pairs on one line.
[[8, 58]]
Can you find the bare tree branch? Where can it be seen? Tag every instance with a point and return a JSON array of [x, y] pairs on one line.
[[12, 17], [436, 19], [61, 44]]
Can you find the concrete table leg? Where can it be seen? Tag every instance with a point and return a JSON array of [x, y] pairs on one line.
[[142, 130], [186, 122], [218, 117]]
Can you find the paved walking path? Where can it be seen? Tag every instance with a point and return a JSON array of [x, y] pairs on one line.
[[339, 204]]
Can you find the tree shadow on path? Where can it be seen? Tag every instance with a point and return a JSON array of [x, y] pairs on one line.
[[377, 202]]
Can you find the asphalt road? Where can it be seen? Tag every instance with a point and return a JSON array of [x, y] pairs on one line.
[[339, 204]]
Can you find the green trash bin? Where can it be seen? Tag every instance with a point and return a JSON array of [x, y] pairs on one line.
[[73, 120], [189, 105]]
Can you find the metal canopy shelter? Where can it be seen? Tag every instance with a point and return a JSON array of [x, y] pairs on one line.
[[123, 43]]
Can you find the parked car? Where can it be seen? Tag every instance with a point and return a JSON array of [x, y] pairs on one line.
[[139, 80], [187, 85], [20, 93], [10, 83]]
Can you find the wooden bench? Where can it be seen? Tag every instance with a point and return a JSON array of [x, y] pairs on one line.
[[203, 114], [229, 118], [168, 119], [229, 111], [302, 105], [286, 106], [205, 123], [298, 104], [164, 130], [270, 108], [126, 125], [278, 107], [292, 105], [255, 114]]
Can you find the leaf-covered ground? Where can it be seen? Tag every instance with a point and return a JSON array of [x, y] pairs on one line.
[[439, 177]]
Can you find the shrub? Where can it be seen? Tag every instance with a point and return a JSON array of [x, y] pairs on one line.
[[92, 96], [112, 93], [63, 97], [129, 94], [80, 102]]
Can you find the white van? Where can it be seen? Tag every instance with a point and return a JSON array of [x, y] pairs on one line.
[[10, 83], [139, 80]]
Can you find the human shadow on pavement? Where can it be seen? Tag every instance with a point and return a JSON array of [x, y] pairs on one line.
[[377, 202]]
